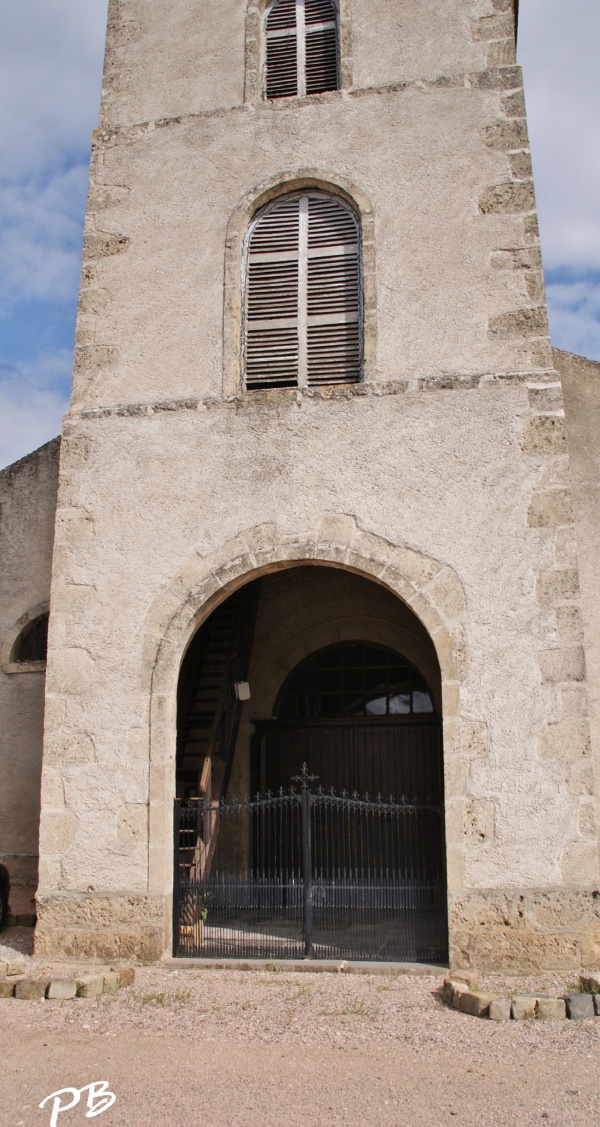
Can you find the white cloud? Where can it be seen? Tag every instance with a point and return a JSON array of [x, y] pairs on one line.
[[40, 237], [558, 50], [50, 74], [574, 308], [32, 403]]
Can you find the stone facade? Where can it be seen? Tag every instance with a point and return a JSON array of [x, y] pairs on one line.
[[27, 516], [433, 500]]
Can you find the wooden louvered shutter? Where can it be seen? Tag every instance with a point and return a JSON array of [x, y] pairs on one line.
[[302, 48], [321, 46], [334, 298], [272, 298], [303, 295], [282, 50]]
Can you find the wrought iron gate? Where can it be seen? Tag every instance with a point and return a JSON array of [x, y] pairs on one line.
[[310, 873]]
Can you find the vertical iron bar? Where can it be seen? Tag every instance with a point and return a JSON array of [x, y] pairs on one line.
[[307, 867]]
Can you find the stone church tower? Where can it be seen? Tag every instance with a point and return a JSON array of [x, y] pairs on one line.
[[313, 375]]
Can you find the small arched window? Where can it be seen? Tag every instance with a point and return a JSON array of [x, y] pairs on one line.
[[352, 680], [32, 644], [303, 299], [302, 48]]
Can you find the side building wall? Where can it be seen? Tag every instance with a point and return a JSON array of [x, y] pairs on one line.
[[581, 392], [27, 514]]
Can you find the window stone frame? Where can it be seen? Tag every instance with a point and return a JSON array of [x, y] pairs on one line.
[[254, 92], [252, 202]]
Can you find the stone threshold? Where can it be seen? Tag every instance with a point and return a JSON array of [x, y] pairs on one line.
[[310, 966]]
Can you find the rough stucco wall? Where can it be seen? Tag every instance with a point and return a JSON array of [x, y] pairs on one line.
[[513, 804], [581, 389], [445, 475], [166, 196], [146, 79], [442, 156], [27, 512]]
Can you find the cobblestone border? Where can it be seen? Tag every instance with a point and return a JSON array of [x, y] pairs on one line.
[[460, 992], [15, 983]]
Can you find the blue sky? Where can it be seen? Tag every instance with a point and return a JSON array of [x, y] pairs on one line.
[[50, 75]]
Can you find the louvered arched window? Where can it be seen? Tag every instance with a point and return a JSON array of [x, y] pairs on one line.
[[302, 48], [303, 299]]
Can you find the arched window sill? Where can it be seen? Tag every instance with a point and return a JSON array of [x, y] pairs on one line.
[[325, 97], [23, 666]]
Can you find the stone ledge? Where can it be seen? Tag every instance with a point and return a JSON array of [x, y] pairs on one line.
[[309, 966], [502, 74], [280, 397]]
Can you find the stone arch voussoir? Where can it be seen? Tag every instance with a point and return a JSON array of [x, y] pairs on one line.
[[429, 587]]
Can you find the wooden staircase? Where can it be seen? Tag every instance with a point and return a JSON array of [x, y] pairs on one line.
[[208, 709]]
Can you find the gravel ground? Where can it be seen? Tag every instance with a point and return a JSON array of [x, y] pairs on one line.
[[219, 1048]]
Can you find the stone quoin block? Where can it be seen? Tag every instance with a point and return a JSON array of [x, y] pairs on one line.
[[580, 1006], [111, 982], [7, 988], [550, 1009], [90, 985], [103, 244], [519, 323], [126, 975], [544, 436], [510, 199], [590, 983], [469, 977], [475, 1004], [514, 104], [550, 507], [567, 664], [492, 27], [502, 53], [520, 165], [31, 989], [62, 988], [500, 1009], [505, 135], [16, 966], [523, 1007]]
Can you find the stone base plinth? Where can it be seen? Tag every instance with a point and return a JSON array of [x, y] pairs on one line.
[[95, 926], [497, 930], [508, 930]]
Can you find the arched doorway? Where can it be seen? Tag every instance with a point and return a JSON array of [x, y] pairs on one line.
[[339, 853]]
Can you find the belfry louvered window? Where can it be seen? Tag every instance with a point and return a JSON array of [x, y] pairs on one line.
[[302, 48], [303, 301]]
